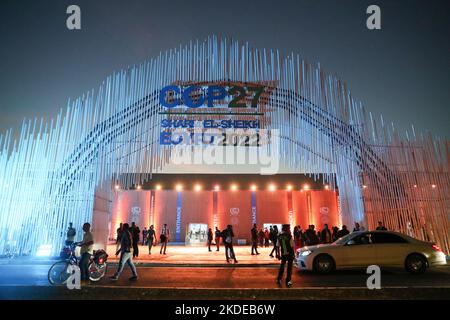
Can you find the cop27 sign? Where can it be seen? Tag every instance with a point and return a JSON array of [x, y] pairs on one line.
[[196, 96]]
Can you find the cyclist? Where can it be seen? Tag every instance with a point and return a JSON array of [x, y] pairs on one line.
[[87, 249]]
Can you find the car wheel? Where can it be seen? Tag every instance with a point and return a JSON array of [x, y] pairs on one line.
[[416, 263], [324, 264]]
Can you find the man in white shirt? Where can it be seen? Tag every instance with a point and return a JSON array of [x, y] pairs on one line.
[[87, 249]]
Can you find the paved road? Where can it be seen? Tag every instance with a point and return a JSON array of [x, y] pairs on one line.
[[229, 277]]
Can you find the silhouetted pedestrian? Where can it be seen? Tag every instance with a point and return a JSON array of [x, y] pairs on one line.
[[151, 237], [286, 245], [217, 239], [227, 236], [381, 226], [126, 245], [325, 235], [210, 239], [343, 232], [274, 239], [135, 233], [164, 237], [254, 233], [70, 236]]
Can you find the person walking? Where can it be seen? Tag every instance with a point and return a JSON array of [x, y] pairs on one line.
[[70, 236], [126, 245], [150, 238], [135, 233], [164, 237], [217, 234], [297, 237], [274, 238], [261, 237], [266, 238], [87, 249], [254, 233], [227, 236], [210, 239], [286, 245], [144, 236], [118, 235]]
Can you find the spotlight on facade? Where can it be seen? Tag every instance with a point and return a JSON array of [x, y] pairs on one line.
[[327, 187], [272, 187], [158, 187], [179, 187], [305, 187], [289, 187], [216, 187], [233, 187], [139, 187], [198, 187], [253, 187]]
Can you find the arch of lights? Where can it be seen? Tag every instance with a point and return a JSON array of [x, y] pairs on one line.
[[49, 174]]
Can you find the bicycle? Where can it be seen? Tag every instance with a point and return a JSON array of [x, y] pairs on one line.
[[59, 272]]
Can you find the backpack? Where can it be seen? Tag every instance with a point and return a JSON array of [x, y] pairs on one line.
[[226, 236], [285, 244], [129, 241]]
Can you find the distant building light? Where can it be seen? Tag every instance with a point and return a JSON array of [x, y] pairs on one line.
[[44, 250], [179, 187], [433, 186], [272, 187], [305, 187], [233, 187], [158, 187], [216, 187], [289, 187], [117, 187], [138, 187], [327, 187], [198, 187], [253, 187]]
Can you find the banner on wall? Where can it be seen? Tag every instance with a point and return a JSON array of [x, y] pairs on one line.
[[178, 220], [253, 207]]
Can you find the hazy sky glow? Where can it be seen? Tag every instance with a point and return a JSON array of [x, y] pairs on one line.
[[401, 71]]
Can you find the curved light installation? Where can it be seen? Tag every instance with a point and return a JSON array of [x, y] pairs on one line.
[[49, 173]]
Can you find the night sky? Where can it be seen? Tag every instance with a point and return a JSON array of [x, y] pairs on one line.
[[401, 71]]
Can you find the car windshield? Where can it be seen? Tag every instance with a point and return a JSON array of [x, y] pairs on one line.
[[344, 239]]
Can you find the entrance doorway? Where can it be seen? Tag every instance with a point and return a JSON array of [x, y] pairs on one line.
[[196, 234]]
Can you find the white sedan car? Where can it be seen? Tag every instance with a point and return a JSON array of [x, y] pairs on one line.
[[362, 249]]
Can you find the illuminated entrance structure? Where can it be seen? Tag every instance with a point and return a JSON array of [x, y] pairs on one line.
[[61, 171]]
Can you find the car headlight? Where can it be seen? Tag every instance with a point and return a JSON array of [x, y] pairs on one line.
[[306, 253]]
